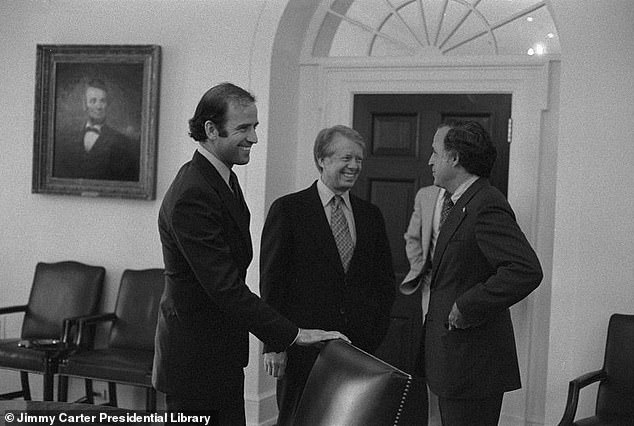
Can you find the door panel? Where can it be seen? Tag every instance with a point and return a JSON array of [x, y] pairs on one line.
[[399, 130], [387, 193], [394, 135]]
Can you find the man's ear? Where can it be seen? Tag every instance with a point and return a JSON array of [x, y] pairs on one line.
[[211, 130], [320, 161], [455, 159]]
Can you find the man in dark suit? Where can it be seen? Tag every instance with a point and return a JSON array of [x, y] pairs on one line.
[[92, 149], [482, 265], [325, 263], [207, 311]]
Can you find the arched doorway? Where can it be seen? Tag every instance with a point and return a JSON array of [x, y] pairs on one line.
[[311, 89]]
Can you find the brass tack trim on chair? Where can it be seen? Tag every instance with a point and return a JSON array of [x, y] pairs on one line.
[[403, 399]]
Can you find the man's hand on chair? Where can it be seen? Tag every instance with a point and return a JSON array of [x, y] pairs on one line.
[[309, 337]]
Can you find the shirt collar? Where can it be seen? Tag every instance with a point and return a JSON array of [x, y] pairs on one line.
[[221, 167], [326, 194], [462, 188]]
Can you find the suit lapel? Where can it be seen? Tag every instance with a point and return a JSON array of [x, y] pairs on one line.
[[362, 225], [240, 214], [452, 223]]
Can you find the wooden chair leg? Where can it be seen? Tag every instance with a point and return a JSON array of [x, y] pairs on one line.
[[26, 389], [90, 397], [150, 400], [62, 389], [112, 394], [48, 386]]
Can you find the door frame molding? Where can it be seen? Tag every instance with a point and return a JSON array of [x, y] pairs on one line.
[[327, 87]]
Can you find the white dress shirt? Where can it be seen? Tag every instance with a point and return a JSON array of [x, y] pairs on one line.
[[222, 168]]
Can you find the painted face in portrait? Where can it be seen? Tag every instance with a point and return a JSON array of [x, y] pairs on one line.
[[341, 168], [96, 105]]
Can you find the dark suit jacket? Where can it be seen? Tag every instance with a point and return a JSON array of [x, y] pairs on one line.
[[301, 274], [207, 311], [114, 156], [484, 263]]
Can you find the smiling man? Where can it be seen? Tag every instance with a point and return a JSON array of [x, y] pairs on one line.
[[207, 311], [482, 264], [325, 262]]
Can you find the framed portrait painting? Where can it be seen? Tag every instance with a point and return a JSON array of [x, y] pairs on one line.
[[96, 120]]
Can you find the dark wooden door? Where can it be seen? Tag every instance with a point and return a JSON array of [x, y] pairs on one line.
[[399, 130]]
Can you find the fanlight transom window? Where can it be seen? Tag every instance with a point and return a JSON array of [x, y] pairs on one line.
[[436, 27]]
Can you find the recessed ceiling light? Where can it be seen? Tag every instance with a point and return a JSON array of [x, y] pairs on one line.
[[539, 49], [550, 35], [530, 52], [530, 19]]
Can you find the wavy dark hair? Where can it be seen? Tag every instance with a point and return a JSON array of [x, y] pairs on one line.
[[98, 84], [213, 106], [473, 145]]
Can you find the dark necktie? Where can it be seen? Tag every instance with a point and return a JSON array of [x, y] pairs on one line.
[[237, 192], [447, 205], [340, 231], [92, 129]]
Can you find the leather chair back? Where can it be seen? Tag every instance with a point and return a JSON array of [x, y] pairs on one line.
[[349, 387], [616, 394], [60, 290], [137, 309]]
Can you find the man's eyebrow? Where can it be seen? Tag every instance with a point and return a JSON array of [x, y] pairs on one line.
[[244, 125]]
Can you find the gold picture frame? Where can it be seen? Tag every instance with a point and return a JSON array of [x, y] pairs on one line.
[[96, 120]]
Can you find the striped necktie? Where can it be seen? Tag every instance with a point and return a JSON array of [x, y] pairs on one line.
[[447, 205]]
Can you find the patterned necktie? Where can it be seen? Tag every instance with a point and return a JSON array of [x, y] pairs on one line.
[[340, 231], [447, 205]]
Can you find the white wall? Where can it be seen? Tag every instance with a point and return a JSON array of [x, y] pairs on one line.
[[593, 263]]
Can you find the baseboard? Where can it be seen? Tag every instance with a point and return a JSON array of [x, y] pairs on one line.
[[506, 420], [263, 411]]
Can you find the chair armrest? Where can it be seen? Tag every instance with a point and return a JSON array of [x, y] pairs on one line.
[[573, 394], [84, 322], [13, 309], [71, 322]]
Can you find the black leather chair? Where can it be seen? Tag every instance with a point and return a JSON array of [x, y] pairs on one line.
[[59, 291], [349, 387], [128, 355], [615, 397]]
